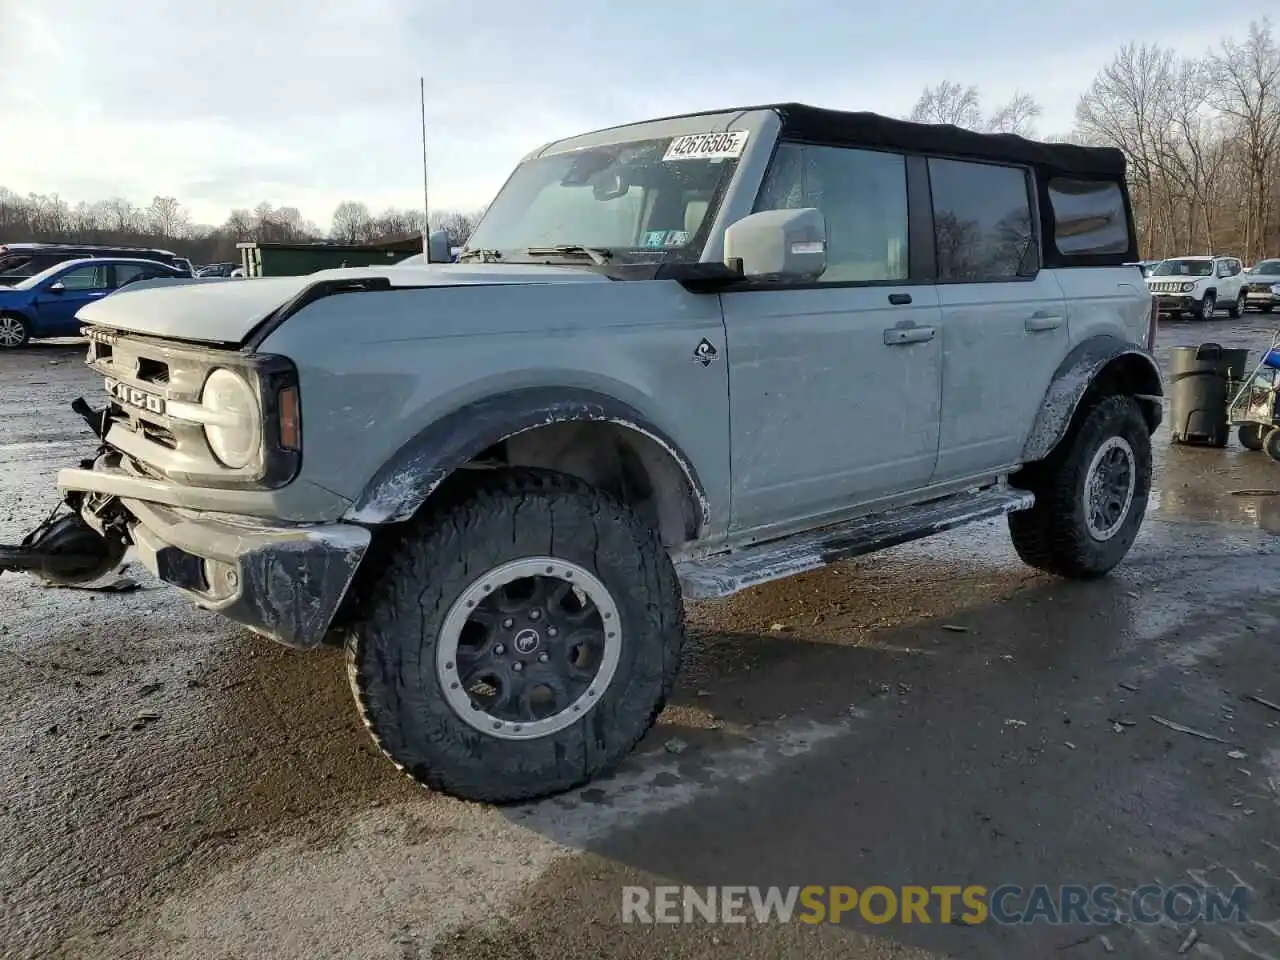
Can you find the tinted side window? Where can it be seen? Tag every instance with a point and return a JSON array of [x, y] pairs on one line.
[[862, 194], [85, 278], [128, 272], [982, 221], [1090, 217]]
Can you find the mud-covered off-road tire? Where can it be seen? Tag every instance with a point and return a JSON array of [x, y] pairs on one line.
[[1056, 535], [437, 562]]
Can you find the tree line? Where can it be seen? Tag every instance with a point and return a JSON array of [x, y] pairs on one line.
[[1201, 134], [167, 224]]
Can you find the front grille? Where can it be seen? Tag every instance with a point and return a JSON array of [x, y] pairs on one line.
[[146, 371], [1261, 287], [1166, 286]]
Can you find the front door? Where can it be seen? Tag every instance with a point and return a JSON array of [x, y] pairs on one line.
[[1004, 320], [62, 296], [834, 387]]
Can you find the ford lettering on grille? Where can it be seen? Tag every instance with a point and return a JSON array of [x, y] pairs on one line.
[[134, 397]]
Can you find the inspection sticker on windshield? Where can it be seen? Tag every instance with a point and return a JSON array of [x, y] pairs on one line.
[[707, 146]]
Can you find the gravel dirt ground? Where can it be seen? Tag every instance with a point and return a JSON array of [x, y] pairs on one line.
[[938, 714]]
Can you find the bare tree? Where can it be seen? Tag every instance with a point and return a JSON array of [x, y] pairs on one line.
[[1017, 116], [352, 222], [1246, 88], [1202, 140], [166, 218], [949, 103], [962, 106], [457, 225], [1127, 107]]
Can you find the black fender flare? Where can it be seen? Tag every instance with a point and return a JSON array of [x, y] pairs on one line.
[[1078, 372], [403, 484]]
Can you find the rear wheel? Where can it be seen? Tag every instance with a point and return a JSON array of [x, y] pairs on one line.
[[14, 331], [1091, 494], [519, 642], [1250, 435], [1236, 310]]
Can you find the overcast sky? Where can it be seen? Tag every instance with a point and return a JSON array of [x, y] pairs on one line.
[[309, 102]]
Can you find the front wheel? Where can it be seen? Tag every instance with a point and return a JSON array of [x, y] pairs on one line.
[[519, 642], [1236, 310], [1208, 306], [14, 331], [1091, 495], [1267, 307]]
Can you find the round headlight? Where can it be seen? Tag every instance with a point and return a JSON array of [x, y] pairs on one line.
[[1188, 287], [233, 425]]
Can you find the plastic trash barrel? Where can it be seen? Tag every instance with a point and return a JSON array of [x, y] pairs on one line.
[[1201, 382]]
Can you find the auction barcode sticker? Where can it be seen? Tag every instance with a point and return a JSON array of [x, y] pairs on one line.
[[707, 146]]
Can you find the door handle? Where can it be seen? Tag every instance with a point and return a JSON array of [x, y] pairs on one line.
[[897, 336], [899, 299], [1042, 321]]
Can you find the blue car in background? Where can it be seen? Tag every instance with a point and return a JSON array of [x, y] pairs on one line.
[[45, 305]]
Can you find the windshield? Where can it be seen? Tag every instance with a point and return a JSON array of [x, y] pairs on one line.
[[1183, 268], [641, 200], [1268, 268]]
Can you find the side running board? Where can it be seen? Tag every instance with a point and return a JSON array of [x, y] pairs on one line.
[[725, 574]]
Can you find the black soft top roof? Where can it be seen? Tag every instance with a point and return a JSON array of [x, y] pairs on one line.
[[804, 122]]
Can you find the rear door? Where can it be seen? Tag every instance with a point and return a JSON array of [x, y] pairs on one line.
[[1004, 320], [126, 273]]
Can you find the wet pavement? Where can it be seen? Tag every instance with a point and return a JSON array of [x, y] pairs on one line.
[[937, 714]]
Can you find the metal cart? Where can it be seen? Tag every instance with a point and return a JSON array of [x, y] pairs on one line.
[[1254, 407]]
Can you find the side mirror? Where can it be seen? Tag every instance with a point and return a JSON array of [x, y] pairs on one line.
[[56, 287], [610, 187], [438, 248], [779, 244]]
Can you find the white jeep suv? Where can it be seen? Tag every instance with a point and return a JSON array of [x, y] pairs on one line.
[[1198, 286]]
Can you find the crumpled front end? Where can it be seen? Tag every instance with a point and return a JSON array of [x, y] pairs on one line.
[[218, 531]]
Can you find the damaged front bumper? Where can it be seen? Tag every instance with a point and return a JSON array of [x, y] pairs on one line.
[[286, 583]]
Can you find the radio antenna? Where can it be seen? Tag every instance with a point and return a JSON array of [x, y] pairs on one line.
[[426, 206]]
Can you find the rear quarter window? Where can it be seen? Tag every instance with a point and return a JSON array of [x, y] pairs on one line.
[[1089, 217]]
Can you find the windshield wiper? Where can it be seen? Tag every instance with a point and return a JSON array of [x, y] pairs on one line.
[[598, 255], [484, 256]]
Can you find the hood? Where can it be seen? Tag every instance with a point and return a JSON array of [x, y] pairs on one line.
[[1262, 278], [226, 309]]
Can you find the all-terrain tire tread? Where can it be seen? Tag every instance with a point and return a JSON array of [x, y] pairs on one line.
[[1048, 536], [373, 655]]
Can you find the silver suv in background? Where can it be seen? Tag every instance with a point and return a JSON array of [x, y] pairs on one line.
[[676, 359], [1198, 286], [1262, 285]]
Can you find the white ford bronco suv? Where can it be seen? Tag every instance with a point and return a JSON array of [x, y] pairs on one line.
[[1199, 286], [676, 359]]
